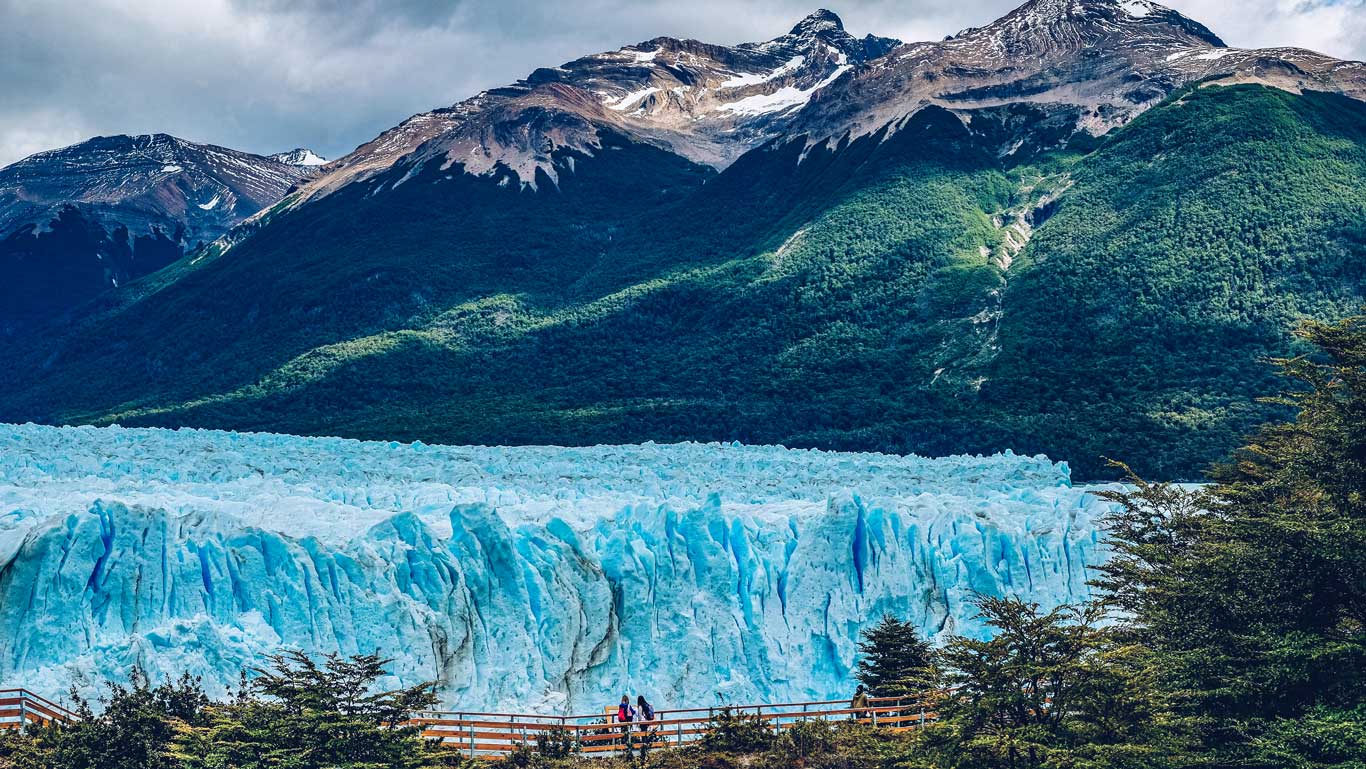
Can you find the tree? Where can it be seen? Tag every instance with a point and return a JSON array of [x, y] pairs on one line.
[[29, 748], [895, 659], [1250, 595], [135, 729], [304, 715], [1048, 690]]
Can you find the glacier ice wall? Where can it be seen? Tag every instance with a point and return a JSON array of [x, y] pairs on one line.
[[532, 577]]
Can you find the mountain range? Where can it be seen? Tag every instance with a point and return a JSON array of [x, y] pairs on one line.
[[1077, 230], [98, 214]]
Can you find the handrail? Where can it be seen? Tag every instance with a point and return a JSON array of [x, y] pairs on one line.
[[21, 707], [491, 734], [735, 708], [496, 734], [29, 695]]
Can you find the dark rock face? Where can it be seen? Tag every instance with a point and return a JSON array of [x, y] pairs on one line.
[[1100, 61], [709, 103], [1095, 63], [95, 215]]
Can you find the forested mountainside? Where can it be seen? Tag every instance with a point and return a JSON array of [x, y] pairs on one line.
[[1049, 267], [79, 220]]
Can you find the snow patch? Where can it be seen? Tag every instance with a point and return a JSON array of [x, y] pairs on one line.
[[781, 100], [1137, 9], [211, 205], [309, 158], [625, 102], [743, 80]]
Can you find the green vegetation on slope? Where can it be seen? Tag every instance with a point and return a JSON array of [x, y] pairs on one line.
[[1189, 246], [1249, 597], [1229, 631], [860, 296]]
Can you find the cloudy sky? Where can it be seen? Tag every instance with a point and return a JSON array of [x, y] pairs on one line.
[[269, 75]]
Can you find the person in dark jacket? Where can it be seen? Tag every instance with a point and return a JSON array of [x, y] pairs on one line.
[[860, 702], [645, 713]]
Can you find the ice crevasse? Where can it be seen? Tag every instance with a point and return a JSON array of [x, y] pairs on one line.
[[521, 578]]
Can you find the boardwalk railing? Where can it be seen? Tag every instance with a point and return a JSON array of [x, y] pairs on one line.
[[21, 707], [494, 734]]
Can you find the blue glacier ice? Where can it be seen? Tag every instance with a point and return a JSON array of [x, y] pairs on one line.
[[522, 578]]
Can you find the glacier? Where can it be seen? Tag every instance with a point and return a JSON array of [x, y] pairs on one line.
[[521, 578]]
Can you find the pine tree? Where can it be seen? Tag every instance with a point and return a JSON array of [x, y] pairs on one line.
[[895, 659], [1250, 595], [134, 730], [1050, 689], [306, 715]]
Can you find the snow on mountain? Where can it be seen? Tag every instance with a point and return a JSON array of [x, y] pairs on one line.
[[677, 94], [81, 219], [520, 577], [300, 156], [1094, 64], [144, 180]]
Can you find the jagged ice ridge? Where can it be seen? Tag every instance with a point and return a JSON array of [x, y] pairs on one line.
[[527, 578]]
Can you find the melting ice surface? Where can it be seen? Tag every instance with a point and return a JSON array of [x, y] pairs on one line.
[[528, 578]]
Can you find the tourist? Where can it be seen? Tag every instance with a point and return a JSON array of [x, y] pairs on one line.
[[860, 702]]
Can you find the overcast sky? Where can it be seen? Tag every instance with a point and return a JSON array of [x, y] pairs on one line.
[[270, 75]]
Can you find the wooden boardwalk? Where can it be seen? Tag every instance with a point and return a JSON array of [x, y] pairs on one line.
[[21, 707], [489, 735], [495, 734]]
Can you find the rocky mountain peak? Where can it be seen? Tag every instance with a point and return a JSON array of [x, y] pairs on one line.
[[1079, 65], [821, 20], [1041, 26], [709, 103], [300, 156], [1093, 64], [824, 28], [113, 208]]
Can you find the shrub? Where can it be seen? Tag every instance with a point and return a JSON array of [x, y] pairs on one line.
[[731, 732], [803, 740], [557, 742], [522, 756]]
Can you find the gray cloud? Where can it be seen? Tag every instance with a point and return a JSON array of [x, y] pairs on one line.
[[268, 75]]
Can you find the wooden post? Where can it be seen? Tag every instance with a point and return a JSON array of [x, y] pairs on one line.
[[470, 729], [23, 709]]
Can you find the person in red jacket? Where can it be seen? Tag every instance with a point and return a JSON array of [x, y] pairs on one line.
[[625, 715]]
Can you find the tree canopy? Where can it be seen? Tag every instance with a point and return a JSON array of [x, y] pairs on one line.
[[895, 659]]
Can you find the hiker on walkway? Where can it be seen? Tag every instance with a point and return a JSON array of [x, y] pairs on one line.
[[625, 713], [644, 710], [645, 713], [860, 702]]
